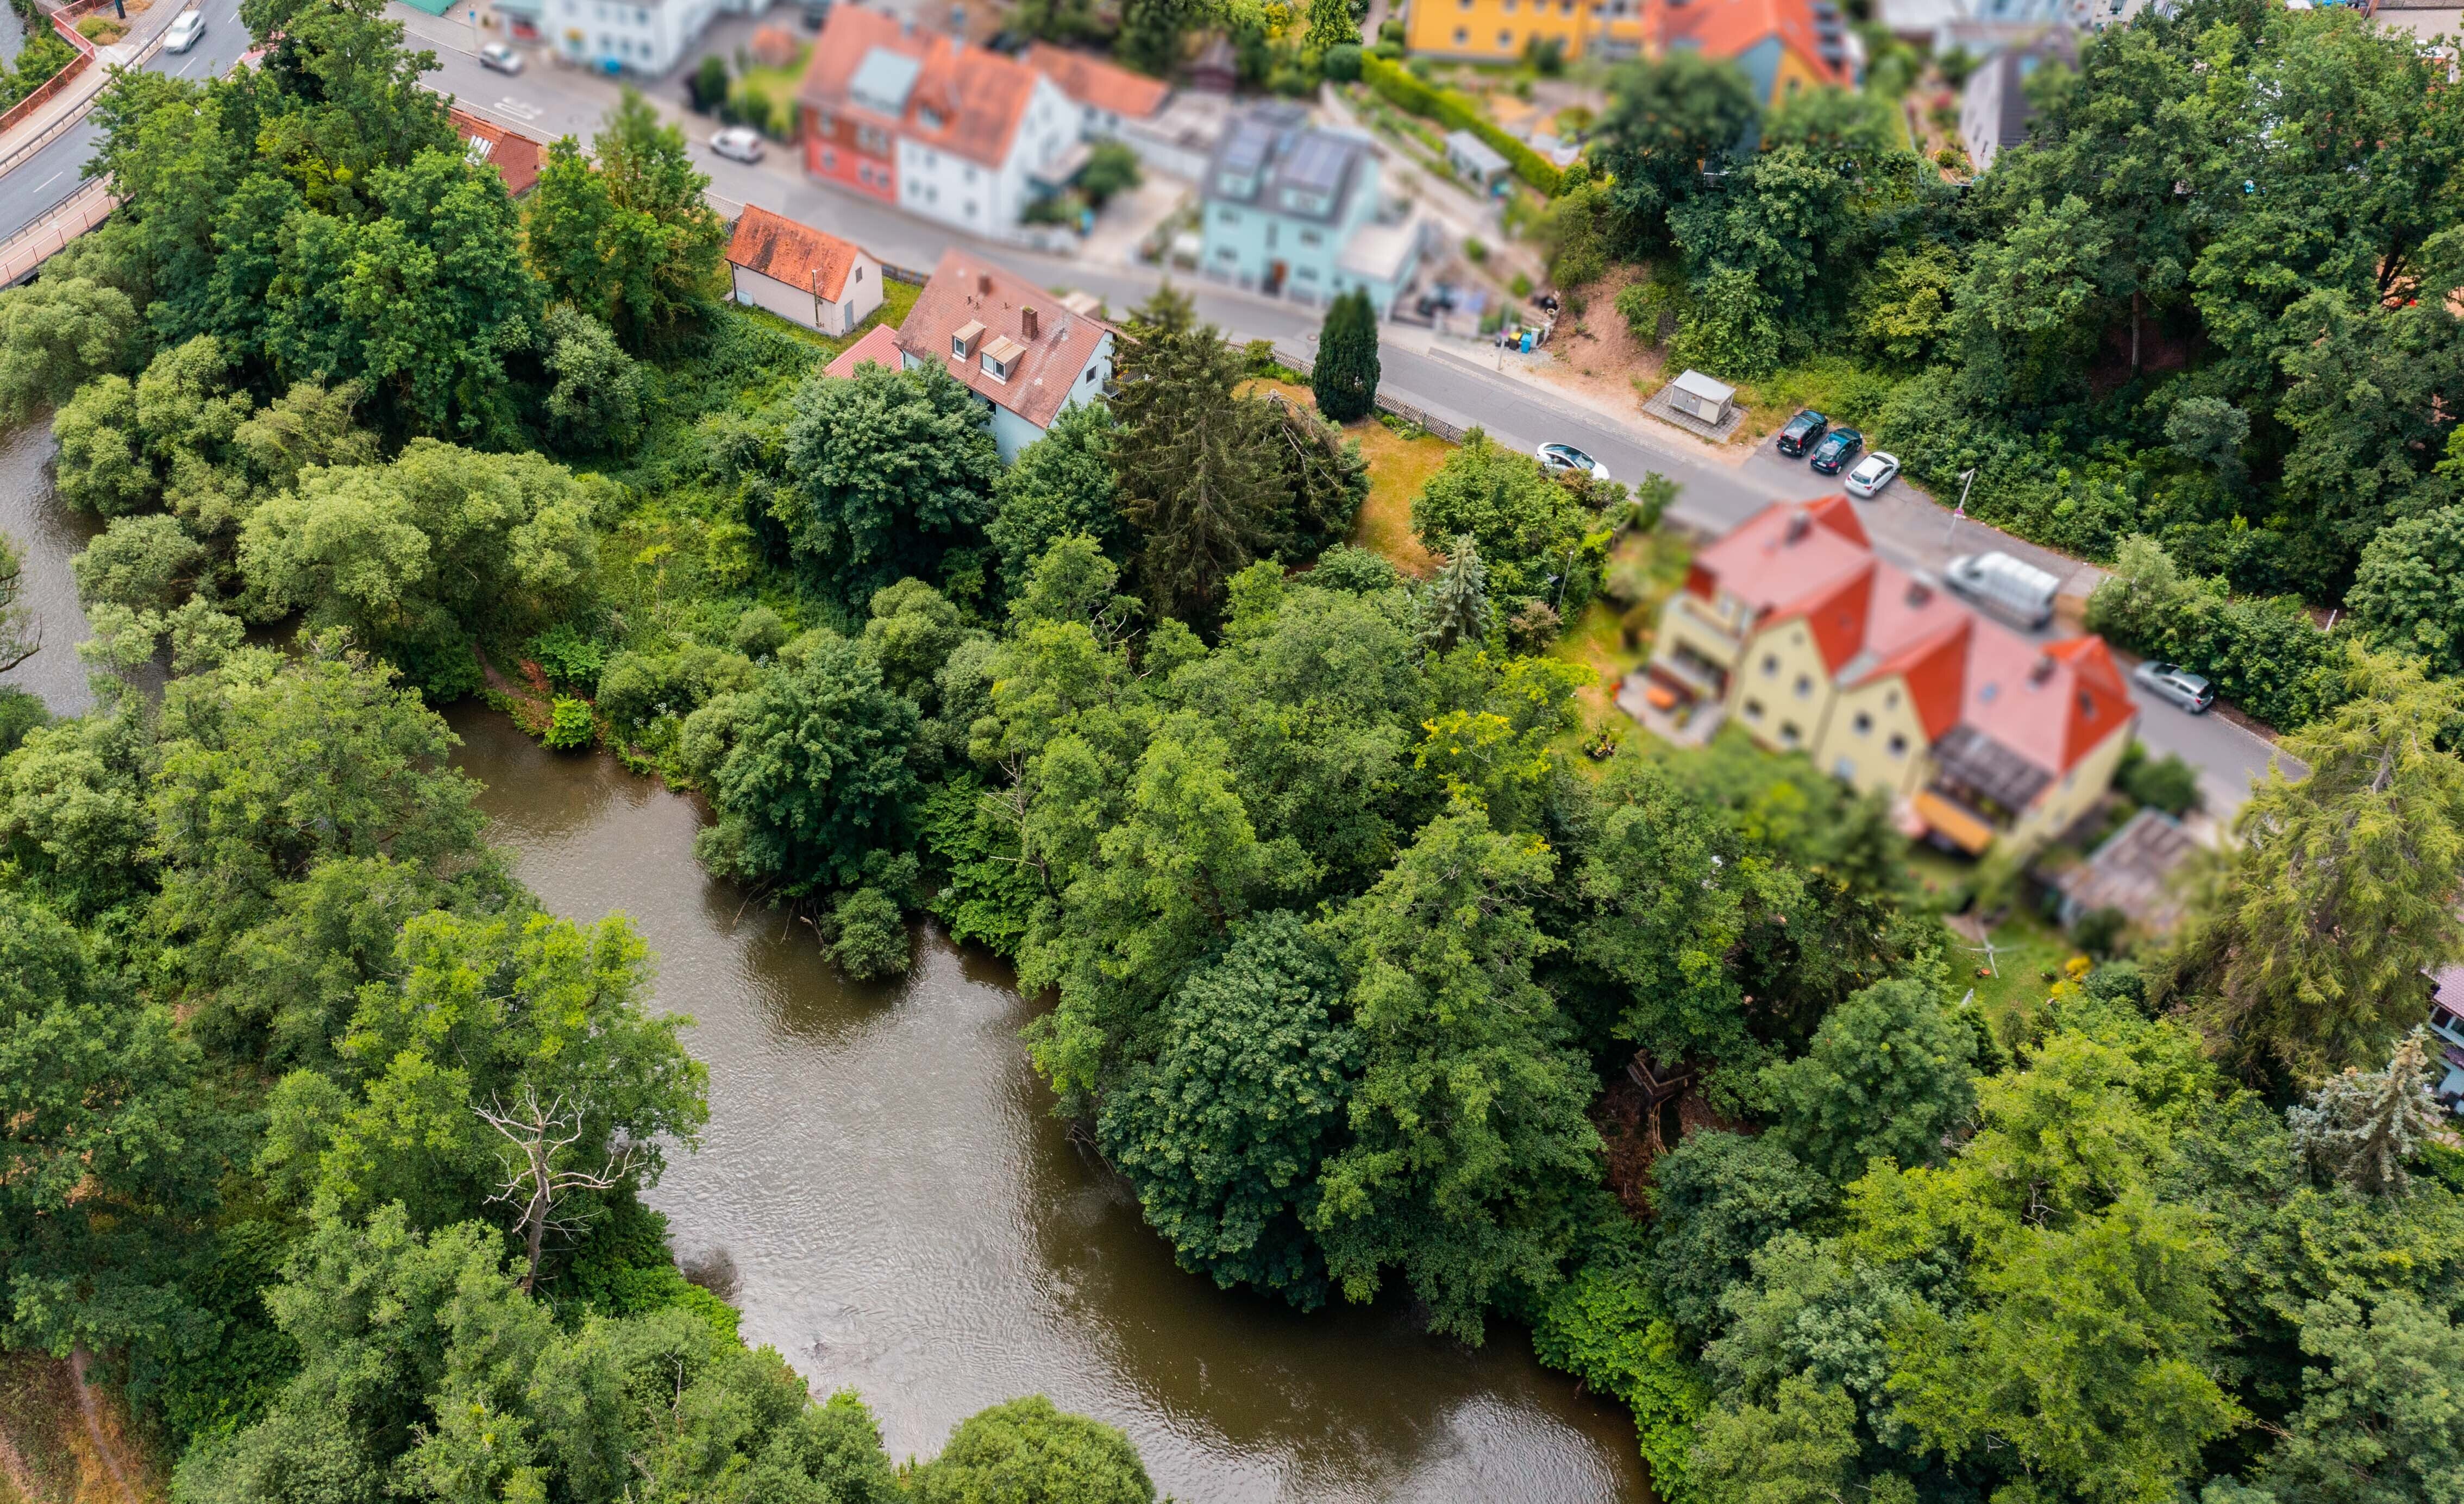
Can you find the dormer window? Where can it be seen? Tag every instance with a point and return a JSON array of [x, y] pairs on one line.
[[927, 118], [964, 338], [1001, 358]]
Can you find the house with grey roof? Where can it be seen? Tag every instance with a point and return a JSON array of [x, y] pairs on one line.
[[1294, 210], [1994, 110]]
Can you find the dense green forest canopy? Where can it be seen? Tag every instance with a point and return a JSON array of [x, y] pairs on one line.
[[1346, 953]]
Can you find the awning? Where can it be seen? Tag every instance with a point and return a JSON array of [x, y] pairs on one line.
[[1953, 823]]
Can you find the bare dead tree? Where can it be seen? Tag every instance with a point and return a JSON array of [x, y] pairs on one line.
[[540, 1133], [21, 635]]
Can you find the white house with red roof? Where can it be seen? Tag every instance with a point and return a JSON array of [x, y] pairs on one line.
[[940, 128], [798, 273], [1026, 354], [1813, 644], [2446, 1023]]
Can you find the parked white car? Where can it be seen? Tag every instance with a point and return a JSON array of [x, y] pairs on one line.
[[2019, 593], [501, 57], [739, 143], [185, 31], [1871, 473], [1561, 458]]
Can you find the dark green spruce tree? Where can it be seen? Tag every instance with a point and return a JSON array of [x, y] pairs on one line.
[[1345, 379]]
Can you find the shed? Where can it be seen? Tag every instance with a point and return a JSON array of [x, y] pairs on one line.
[[1697, 396], [2132, 871], [799, 273], [1476, 159]]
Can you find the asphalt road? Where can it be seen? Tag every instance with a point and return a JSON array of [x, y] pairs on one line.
[[30, 189]]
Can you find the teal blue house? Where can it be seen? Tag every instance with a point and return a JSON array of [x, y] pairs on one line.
[[1294, 211]]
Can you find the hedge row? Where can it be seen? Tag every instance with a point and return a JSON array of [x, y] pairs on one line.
[[2265, 655], [1397, 86]]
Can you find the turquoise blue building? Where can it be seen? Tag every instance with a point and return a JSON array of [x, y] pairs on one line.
[[1294, 211]]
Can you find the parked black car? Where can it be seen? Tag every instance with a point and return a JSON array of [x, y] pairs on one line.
[[1838, 448], [1802, 432]]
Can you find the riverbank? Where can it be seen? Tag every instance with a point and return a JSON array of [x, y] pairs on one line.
[[908, 1218]]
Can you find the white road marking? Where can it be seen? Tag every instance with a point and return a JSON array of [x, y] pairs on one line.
[[520, 109]]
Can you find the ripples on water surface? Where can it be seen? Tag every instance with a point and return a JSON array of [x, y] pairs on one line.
[[907, 1217]]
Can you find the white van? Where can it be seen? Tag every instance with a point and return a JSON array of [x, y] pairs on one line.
[[2019, 593]]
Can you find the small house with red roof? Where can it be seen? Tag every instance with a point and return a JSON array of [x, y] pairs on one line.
[[1977, 734], [879, 347], [515, 157], [1025, 353], [818, 280], [940, 128]]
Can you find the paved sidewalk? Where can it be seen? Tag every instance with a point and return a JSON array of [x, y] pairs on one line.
[[49, 118]]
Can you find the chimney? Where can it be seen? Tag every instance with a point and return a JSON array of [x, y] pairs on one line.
[[1919, 590], [2042, 669], [1798, 525], [1026, 324], [984, 284]]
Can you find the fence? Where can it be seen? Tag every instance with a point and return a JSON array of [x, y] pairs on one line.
[[907, 275], [45, 238]]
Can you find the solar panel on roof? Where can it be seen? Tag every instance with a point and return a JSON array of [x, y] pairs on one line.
[[1246, 151], [1316, 163]]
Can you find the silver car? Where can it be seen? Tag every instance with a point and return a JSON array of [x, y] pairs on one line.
[[501, 57], [2174, 683], [1871, 473], [185, 30]]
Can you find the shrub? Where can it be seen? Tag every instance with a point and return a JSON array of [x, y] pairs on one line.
[[1519, 285], [1341, 63], [1399, 87], [569, 725], [569, 657], [1475, 250], [2264, 655], [871, 936], [2169, 784]]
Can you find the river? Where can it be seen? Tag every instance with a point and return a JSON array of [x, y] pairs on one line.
[[906, 1216]]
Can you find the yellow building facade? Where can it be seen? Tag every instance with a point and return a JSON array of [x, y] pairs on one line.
[[1500, 31]]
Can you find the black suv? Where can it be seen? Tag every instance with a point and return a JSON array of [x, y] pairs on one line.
[[1802, 432]]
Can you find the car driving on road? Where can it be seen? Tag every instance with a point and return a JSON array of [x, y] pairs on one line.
[[1838, 448], [185, 31], [1560, 459], [741, 143], [502, 58], [1871, 473], [2013, 589], [1802, 432], [2174, 683]]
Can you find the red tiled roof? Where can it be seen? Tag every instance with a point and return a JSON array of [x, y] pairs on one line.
[[967, 289], [1728, 28], [803, 257], [1091, 80], [2051, 705], [966, 101], [515, 157], [879, 345]]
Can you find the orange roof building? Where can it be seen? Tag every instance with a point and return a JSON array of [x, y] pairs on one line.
[[1782, 45], [1026, 353], [940, 128], [879, 346], [1106, 93], [1792, 626], [799, 273], [515, 157]]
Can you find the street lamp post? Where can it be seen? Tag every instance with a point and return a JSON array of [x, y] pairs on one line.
[[1967, 478]]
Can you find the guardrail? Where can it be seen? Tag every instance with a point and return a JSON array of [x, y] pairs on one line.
[[47, 237], [1419, 417]]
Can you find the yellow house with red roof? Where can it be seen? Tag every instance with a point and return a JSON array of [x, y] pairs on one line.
[[1975, 732], [1781, 45]]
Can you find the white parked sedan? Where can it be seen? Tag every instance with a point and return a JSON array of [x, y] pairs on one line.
[[742, 143], [1564, 458], [501, 57], [1871, 473], [185, 31]]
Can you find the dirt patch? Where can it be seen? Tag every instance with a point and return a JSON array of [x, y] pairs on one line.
[[1596, 353], [65, 1442], [1635, 1142]]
